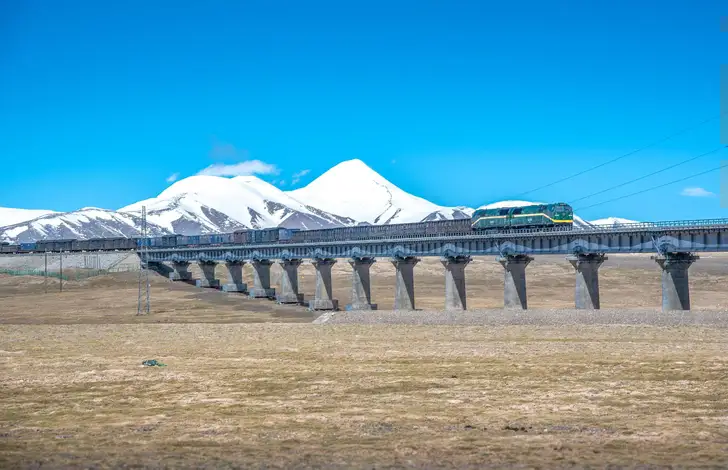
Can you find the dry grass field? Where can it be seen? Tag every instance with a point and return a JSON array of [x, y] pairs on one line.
[[252, 384]]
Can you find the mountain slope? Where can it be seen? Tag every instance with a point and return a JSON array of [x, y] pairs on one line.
[[201, 204], [354, 189], [9, 216], [85, 223]]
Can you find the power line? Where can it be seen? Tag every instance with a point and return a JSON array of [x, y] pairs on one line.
[[654, 187], [651, 174], [671, 136]]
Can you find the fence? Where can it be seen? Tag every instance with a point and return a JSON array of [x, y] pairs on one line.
[[68, 266], [74, 275]]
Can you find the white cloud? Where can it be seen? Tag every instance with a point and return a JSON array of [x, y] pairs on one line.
[[172, 178], [297, 176], [696, 192], [282, 183], [247, 168]]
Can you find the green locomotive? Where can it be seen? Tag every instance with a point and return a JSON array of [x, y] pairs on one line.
[[531, 216]]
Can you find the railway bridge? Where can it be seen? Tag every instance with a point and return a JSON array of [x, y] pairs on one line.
[[675, 247]]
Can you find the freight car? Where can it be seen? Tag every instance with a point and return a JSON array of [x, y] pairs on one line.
[[165, 241], [105, 244], [53, 245], [531, 216], [204, 240], [269, 235], [6, 247], [374, 232]]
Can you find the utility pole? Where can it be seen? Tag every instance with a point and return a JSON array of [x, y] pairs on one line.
[[143, 304]]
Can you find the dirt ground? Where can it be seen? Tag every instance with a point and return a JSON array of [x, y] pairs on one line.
[[248, 383]]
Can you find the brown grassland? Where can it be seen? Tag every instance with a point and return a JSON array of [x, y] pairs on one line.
[[252, 384]]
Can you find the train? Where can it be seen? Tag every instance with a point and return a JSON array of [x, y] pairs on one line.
[[485, 220], [535, 215]]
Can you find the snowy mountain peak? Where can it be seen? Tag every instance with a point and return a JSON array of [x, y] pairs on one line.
[[507, 204], [204, 204], [613, 221], [354, 174], [197, 184], [355, 189]]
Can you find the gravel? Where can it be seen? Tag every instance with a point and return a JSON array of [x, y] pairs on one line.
[[538, 317]]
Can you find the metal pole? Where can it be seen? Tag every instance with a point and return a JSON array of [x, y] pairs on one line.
[[61, 276], [45, 273], [146, 273], [141, 267]]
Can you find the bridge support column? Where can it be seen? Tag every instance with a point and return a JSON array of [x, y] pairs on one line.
[[235, 277], [404, 289], [289, 282], [361, 296], [514, 288], [208, 275], [323, 298], [675, 285], [261, 279], [587, 279], [181, 271], [455, 298]]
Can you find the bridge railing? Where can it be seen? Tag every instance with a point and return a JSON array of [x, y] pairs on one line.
[[672, 223]]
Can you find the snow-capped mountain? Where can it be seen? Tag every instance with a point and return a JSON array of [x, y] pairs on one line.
[[201, 204], [348, 194], [613, 221], [9, 216], [354, 189], [89, 222]]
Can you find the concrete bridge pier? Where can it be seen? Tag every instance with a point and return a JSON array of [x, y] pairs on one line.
[[289, 282], [261, 280], [208, 275], [455, 298], [587, 279], [235, 277], [181, 271], [514, 288], [361, 296], [404, 290], [675, 285], [323, 298]]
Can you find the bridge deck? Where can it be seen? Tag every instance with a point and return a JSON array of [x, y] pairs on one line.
[[688, 236]]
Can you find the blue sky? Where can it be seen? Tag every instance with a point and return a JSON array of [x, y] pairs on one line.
[[462, 103]]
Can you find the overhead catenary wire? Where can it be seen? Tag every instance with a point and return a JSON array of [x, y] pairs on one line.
[[628, 154], [725, 165], [650, 174]]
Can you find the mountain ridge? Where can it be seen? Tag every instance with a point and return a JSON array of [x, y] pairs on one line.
[[347, 194]]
